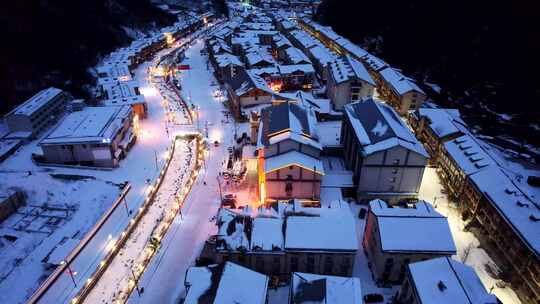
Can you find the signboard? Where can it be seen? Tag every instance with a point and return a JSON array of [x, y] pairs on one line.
[[184, 67]]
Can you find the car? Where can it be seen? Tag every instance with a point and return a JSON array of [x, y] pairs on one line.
[[362, 213], [373, 298], [216, 143], [229, 200]]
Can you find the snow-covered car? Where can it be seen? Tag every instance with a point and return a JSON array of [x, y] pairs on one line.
[[229, 200]]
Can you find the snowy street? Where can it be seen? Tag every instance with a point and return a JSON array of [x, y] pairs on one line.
[[163, 279]]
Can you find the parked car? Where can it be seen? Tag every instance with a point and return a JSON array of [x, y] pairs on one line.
[[362, 213], [373, 298], [229, 200]]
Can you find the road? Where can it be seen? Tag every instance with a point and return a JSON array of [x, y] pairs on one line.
[[163, 279]]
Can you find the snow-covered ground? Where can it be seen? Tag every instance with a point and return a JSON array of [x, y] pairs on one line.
[[164, 277], [22, 269], [468, 250], [143, 162], [114, 281]]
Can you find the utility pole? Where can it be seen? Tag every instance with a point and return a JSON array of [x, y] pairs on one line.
[[156, 160], [126, 205], [219, 187], [136, 283]]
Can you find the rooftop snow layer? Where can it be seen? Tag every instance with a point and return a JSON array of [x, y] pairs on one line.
[[446, 281], [378, 127], [36, 102], [313, 288], [326, 232], [92, 124]]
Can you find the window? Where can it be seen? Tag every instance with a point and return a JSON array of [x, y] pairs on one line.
[[259, 264], [395, 171], [396, 161], [392, 179], [328, 265]]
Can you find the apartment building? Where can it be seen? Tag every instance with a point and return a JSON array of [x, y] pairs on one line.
[[506, 220], [286, 238], [443, 281], [458, 159], [434, 127], [289, 153], [94, 136], [38, 113], [395, 237], [347, 81], [387, 160], [400, 91]]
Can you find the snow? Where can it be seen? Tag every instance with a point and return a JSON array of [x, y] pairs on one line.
[[198, 280], [267, 234], [468, 154], [461, 284], [293, 158], [92, 124], [36, 102], [423, 234], [399, 82], [241, 285], [331, 289], [468, 250], [319, 233], [444, 122], [61, 251], [329, 133], [187, 234]]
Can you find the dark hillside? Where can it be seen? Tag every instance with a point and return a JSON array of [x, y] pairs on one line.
[[483, 54], [54, 42]]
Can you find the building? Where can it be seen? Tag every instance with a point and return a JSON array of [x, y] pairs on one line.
[[10, 201], [506, 220], [313, 288], [458, 159], [248, 89], [434, 127], [347, 81], [387, 160], [443, 281], [224, 284], [95, 136], [289, 152], [38, 113], [400, 91], [227, 66], [287, 237], [395, 237]]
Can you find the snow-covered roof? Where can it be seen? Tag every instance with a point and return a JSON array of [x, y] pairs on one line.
[[378, 127], [399, 82], [348, 69], [314, 288], [92, 124], [241, 285], [225, 284], [329, 231], [522, 214], [322, 54], [444, 122], [330, 133], [296, 56], [447, 281], [267, 234], [427, 230], [287, 117], [304, 39], [36, 102], [120, 101], [227, 59], [291, 68], [468, 154], [293, 158], [232, 230]]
